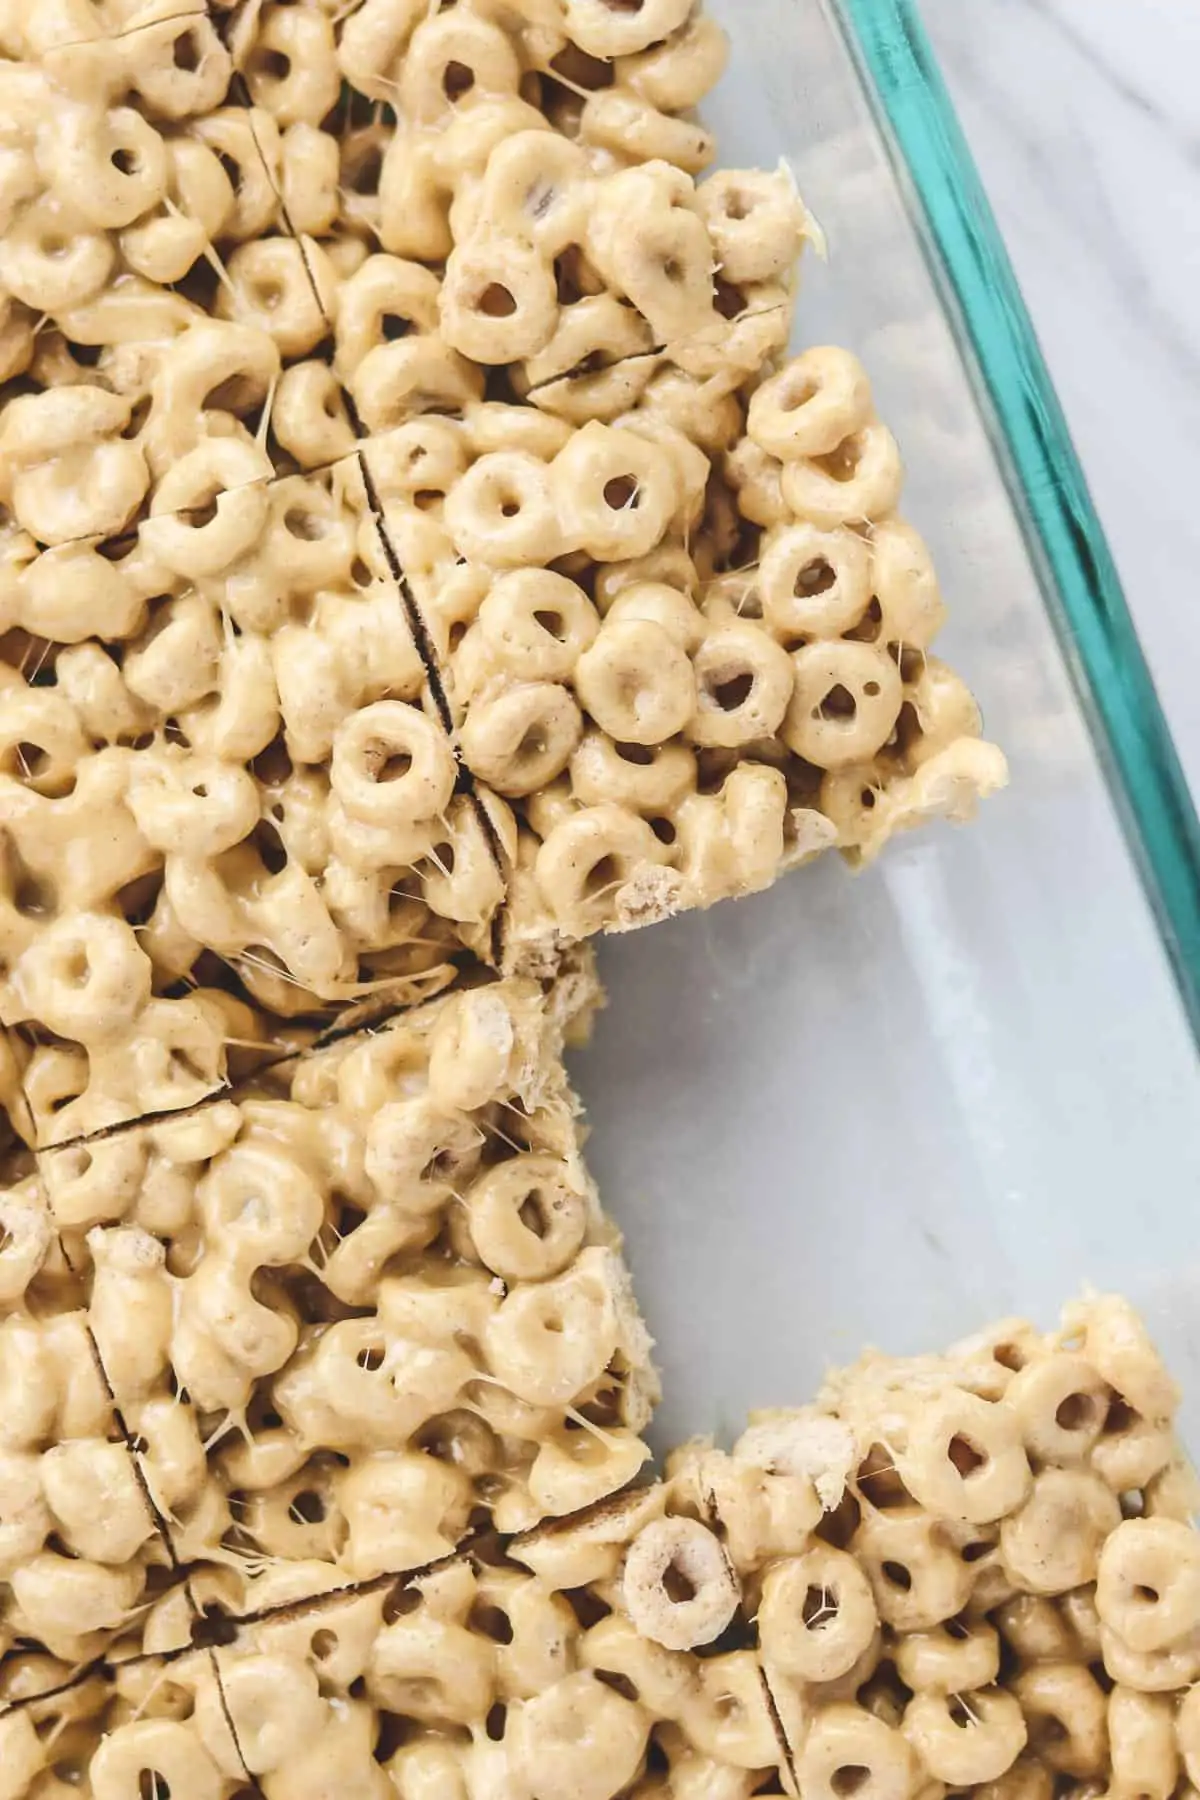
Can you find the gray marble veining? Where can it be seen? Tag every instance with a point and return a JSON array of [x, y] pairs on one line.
[[1084, 118]]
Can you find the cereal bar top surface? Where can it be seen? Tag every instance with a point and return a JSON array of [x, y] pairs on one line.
[[970, 1575], [415, 549]]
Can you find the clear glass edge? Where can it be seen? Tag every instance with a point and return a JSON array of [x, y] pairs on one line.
[[1080, 584]]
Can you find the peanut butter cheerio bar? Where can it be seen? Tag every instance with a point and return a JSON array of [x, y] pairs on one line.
[[415, 551], [367, 1302], [969, 1574]]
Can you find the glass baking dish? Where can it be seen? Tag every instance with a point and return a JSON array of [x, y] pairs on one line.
[[887, 1108]]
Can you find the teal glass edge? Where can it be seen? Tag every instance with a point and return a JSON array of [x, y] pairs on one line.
[[1079, 579]]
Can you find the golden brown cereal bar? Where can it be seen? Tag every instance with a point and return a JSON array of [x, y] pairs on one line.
[[222, 775], [974, 1568], [969, 1574], [370, 1301]]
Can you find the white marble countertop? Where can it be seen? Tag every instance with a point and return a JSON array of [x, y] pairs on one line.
[[1085, 123]]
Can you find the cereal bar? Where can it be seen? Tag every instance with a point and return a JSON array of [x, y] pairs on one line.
[[973, 1569], [222, 784], [368, 1302], [970, 1575]]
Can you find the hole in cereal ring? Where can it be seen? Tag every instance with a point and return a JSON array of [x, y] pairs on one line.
[[1149, 1596], [202, 514], [673, 270], [188, 53], [532, 1213], [126, 162], [1075, 1413], [496, 301], [457, 80], [532, 745], [849, 1779], [664, 831], [965, 1456], [820, 1606], [839, 703], [31, 760], [677, 1585], [76, 970], [402, 1601], [841, 464], [641, 755], [394, 326], [839, 1526], [975, 1552], [602, 876], [371, 1358], [738, 205], [1120, 1415], [492, 1622], [307, 1508], [1009, 1357], [300, 522], [620, 492], [394, 767], [553, 623], [960, 1712], [877, 1479], [797, 393], [729, 301], [153, 1786], [620, 1684], [267, 292], [323, 1644], [816, 577], [730, 695], [274, 64], [867, 799], [1046, 1731], [897, 1575], [497, 1719]]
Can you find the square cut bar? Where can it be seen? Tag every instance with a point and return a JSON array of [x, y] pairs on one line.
[[227, 799], [369, 1304]]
